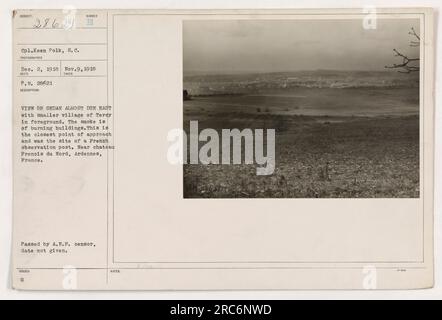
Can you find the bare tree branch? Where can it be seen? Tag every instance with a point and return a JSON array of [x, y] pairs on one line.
[[414, 43], [406, 65], [413, 33]]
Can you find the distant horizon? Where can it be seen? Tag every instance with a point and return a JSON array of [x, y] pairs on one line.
[[248, 72]]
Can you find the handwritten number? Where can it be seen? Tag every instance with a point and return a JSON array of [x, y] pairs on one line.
[[46, 23], [37, 23]]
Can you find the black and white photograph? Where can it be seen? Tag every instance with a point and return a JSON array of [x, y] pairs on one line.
[[341, 96]]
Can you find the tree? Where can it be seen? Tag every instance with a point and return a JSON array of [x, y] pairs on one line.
[[408, 64]]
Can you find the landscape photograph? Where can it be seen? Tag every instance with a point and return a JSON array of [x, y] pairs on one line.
[[343, 100]]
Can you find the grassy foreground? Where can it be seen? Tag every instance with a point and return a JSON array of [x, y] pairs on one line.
[[316, 156]]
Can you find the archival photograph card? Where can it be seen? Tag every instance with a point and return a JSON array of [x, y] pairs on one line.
[[223, 149]]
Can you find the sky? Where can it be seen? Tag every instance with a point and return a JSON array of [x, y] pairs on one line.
[[234, 46]]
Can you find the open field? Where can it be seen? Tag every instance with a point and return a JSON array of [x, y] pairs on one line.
[[330, 143]]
